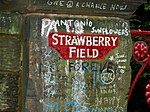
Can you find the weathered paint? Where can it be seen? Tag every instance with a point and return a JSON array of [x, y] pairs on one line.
[[115, 8], [79, 85], [61, 85], [73, 46]]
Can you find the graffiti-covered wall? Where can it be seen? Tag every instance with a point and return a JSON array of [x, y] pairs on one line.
[[79, 63], [65, 55]]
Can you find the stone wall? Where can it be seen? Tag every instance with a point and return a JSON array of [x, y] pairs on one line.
[[40, 72]]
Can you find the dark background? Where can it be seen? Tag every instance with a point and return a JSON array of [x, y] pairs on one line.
[[140, 20]]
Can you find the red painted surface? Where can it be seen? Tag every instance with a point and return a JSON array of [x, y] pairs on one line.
[[140, 49], [141, 55], [147, 94], [136, 78], [139, 32], [140, 52], [82, 46]]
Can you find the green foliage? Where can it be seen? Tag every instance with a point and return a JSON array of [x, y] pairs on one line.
[[147, 6], [139, 20]]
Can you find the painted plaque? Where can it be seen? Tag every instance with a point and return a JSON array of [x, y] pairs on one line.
[[82, 46], [69, 71]]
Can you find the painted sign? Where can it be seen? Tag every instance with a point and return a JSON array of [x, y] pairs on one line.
[[82, 46], [67, 70]]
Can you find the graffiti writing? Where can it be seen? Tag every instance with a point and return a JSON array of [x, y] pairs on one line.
[[5, 21], [105, 30], [111, 89], [120, 59], [80, 85], [55, 106], [71, 25], [88, 5], [79, 26], [103, 74]]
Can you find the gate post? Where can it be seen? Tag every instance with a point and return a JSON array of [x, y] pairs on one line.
[[70, 53]]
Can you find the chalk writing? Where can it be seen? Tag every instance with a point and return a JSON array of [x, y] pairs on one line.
[[5, 21], [51, 80], [48, 25], [111, 89], [120, 7], [50, 83], [79, 26], [101, 6], [75, 105], [71, 25], [105, 30], [65, 83], [120, 60], [70, 4], [88, 5], [56, 3], [79, 89], [107, 77]]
